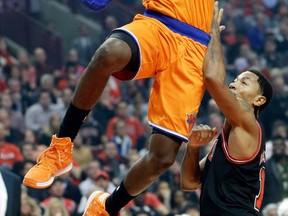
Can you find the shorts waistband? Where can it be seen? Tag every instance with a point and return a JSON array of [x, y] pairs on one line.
[[179, 27]]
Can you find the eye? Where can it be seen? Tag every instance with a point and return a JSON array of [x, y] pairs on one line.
[[243, 82]]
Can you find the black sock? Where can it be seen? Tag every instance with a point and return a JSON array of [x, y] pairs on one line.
[[117, 200], [72, 122]]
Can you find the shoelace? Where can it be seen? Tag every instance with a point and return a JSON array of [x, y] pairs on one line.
[[50, 154]]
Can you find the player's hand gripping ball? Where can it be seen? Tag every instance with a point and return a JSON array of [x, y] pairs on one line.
[[94, 5]]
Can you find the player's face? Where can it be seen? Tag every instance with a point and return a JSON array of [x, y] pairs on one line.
[[246, 87]]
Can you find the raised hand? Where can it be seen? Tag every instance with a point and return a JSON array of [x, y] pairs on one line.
[[201, 135], [217, 18]]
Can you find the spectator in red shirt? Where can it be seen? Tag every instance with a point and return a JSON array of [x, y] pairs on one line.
[[133, 125], [9, 153]]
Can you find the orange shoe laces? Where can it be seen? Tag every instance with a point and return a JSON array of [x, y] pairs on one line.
[[50, 158]]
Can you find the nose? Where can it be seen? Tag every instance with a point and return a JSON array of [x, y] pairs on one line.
[[232, 85]]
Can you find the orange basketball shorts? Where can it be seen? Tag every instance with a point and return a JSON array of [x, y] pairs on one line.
[[173, 53]]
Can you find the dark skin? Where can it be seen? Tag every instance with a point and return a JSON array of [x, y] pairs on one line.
[[113, 56], [237, 102]]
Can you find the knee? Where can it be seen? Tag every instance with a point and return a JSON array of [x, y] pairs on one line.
[[112, 54], [161, 162]]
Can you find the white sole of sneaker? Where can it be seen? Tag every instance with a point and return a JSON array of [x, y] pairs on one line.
[[50, 181], [91, 197]]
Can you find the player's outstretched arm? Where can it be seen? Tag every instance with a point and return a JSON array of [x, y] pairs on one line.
[[236, 111], [191, 169]]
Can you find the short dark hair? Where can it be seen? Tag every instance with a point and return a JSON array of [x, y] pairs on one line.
[[265, 87]]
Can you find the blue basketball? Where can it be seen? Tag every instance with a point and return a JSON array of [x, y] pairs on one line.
[[94, 5]]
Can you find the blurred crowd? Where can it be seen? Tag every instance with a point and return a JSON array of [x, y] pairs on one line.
[[34, 96]]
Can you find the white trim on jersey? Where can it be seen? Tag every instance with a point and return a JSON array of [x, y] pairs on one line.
[[136, 40], [177, 135]]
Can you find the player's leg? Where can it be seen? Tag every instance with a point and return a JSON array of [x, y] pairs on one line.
[[113, 55], [161, 155]]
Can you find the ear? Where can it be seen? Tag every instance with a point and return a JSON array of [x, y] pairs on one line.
[[260, 100]]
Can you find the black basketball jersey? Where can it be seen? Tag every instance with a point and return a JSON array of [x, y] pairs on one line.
[[232, 186]]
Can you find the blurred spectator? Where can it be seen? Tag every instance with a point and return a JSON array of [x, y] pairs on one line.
[[55, 208], [178, 201], [81, 154], [103, 181], [91, 131], [66, 97], [27, 149], [270, 210], [143, 140], [283, 35], [72, 65], [84, 45], [163, 192], [138, 107], [40, 63], [13, 135], [56, 190], [90, 181], [9, 153], [276, 182], [6, 59], [278, 109], [49, 129], [39, 113], [148, 202], [256, 33], [192, 209], [29, 137], [28, 71], [46, 84], [110, 23], [283, 208], [134, 127], [16, 117], [72, 191], [121, 139], [104, 110], [110, 161], [270, 56], [279, 128], [29, 206]]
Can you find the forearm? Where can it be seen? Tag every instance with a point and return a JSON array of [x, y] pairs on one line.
[[213, 67], [190, 169]]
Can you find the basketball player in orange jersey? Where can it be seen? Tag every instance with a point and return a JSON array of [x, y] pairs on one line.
[[232, 175], [169, 42]]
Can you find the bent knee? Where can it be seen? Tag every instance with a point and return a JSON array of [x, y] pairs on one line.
[[113, 53], [161, 162]]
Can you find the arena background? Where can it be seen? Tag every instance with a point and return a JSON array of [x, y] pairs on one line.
[[44, 48]]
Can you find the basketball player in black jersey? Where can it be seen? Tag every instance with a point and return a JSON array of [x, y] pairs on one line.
[[232, 175]]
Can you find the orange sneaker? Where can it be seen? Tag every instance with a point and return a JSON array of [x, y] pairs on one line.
[[54, 161], [96, 204]]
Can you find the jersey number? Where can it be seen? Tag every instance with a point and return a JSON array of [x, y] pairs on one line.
[[259, 197]]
